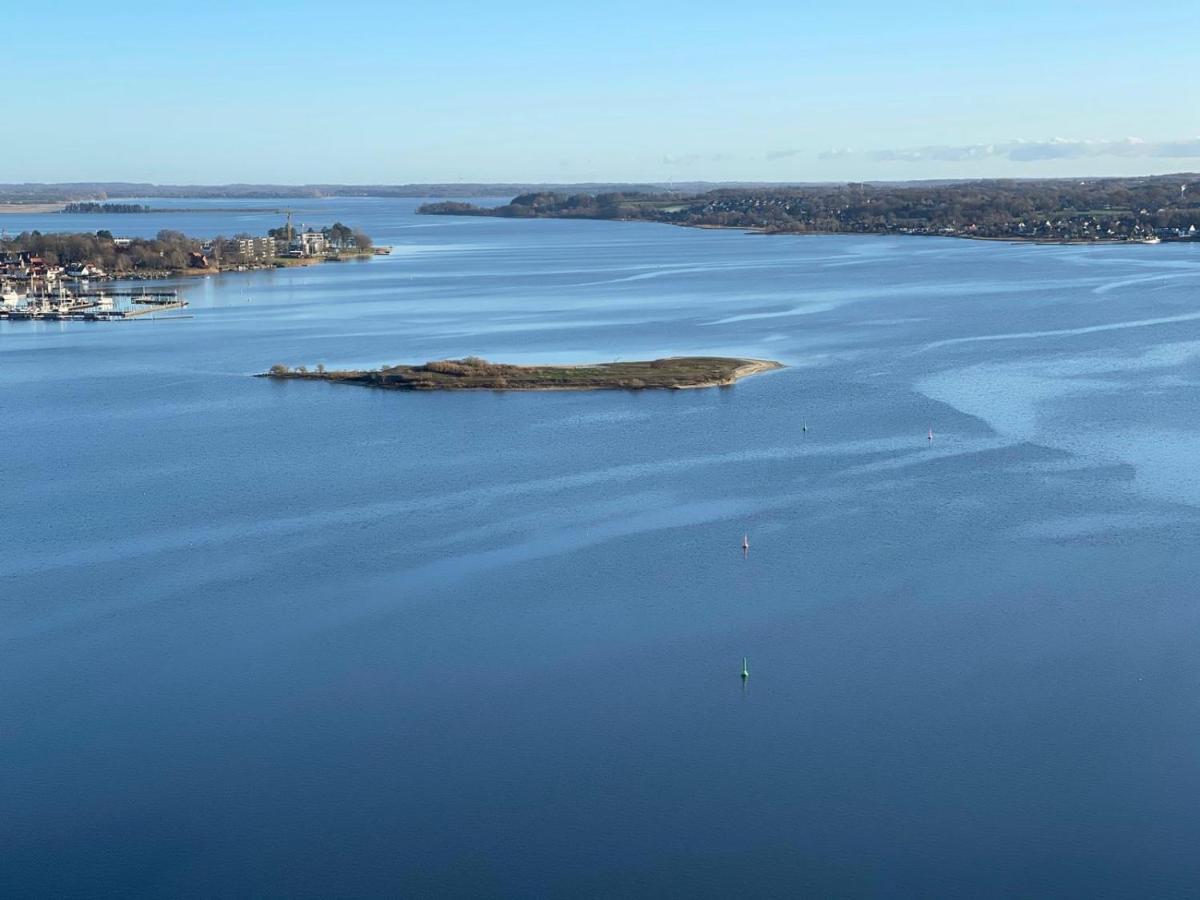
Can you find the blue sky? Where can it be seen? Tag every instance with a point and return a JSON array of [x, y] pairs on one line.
[[527, 90]]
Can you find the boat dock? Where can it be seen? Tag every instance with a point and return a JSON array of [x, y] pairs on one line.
[[91, 306]]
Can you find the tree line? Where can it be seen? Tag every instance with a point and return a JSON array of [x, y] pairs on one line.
[[167, 250], [339, 236], [92, 207]]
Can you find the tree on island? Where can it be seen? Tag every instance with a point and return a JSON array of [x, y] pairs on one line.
[[168, 250], [338, 235], [343, 237]]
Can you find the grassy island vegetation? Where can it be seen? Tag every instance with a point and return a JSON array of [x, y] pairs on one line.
[[105, 208], [474, 373], [1150, 209]]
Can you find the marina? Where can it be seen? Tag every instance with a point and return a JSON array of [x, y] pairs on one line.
[[66, 305]]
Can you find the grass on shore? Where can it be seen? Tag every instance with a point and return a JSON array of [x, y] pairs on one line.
[[476, 373]]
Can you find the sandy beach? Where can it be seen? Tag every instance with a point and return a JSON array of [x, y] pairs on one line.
[[15, 208]]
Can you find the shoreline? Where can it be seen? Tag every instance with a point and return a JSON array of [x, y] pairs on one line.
[[279, 263], [27, 208], [766, 232], [748, 368], [763, 230]]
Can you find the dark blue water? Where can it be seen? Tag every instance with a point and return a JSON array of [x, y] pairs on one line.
[[263, 639]]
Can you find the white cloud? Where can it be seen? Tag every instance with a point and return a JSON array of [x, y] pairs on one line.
[[691, 159], [837, 153], [1035, 151]]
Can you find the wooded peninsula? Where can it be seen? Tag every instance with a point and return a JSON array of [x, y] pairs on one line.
[[36, 256], [1146, 210], [473, 373]]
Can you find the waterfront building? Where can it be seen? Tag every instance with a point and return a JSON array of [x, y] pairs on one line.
[[312, 243], [250, 248]]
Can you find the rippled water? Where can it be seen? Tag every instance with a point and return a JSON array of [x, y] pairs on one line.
[[263, 638]]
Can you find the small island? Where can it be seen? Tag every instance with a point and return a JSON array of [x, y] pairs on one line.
[[473, 373]]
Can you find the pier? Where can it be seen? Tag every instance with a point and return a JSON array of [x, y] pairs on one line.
[[90, 306]]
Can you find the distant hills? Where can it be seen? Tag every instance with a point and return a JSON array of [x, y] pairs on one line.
[[82, 191]]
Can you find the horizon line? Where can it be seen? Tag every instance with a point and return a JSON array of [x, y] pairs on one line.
[[598, 182]]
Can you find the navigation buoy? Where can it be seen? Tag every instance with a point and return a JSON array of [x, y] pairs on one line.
[[745, 669]]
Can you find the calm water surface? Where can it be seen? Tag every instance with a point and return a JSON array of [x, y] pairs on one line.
[[261, 638]]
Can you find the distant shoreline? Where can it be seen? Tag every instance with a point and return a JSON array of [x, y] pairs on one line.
[[27, 208], [774, 232], [750, 229], [93, 208], [1131, 210]]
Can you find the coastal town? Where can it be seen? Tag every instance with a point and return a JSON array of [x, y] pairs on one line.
[[58, 276], [1149, 210]]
